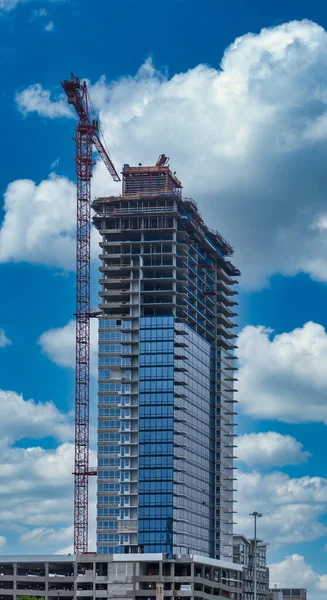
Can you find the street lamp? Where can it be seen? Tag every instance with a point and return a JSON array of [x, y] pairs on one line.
[[256, 516]]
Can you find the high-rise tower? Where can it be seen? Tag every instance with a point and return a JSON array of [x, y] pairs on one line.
[[166, 372]]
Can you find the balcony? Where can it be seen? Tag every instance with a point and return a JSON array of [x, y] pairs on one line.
[[226, 299]]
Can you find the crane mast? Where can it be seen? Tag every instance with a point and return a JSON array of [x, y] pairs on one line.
[[87, 135]]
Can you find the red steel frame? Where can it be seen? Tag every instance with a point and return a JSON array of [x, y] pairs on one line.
[[86, 135]]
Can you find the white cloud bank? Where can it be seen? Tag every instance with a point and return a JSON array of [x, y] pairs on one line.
[[21, 419], [294, 571], [248, 141], [283, 377], [36, 496], [270, 449], [36, 484], [59, 345], [292, 507], [47, 536], [39, 222]]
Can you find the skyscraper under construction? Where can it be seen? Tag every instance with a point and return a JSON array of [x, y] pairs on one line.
[[166, 373]]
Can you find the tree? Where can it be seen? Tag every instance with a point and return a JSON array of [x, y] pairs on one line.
[[25, 597]]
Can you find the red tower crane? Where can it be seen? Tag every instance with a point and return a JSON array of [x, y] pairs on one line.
[[87, 136]]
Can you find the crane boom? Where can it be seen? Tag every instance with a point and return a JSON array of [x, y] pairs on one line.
[[77, 94], [105, 157], [87, 135]]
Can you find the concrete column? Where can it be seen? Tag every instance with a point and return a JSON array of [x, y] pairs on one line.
[[46, 585], [193, 578], [75, 579], [159, 591], [15, 581], [94, 580]]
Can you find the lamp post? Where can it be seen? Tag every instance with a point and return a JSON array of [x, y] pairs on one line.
[[256, 515]]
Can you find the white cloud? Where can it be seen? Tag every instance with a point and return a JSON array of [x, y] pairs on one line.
[[283, 377], [39, 224], [36, 496], [270, 449], [41, 536], [21, 419], [59, 345], [4, 341], [39, 13], [247, 139], [36, 484], [294, 571], [7, 5], [36, 493], [55, 163], [50, 27], [36, 99], [3, 542], [292, 507], [67, 550], [24, 470]]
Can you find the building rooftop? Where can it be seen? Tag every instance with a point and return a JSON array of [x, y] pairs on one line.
[[93, 556]]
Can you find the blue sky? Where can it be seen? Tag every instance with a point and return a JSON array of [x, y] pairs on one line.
[[247, 134]]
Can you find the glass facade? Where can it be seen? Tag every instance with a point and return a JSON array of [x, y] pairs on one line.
[[166, 373], [156, 434], [194, 436]]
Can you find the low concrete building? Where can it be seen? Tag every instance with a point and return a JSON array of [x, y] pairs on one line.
[[275, 595], [243, 554], [287, 594], [119, 577]]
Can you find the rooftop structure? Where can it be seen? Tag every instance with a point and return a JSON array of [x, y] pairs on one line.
[[287, 594], [166, 372]]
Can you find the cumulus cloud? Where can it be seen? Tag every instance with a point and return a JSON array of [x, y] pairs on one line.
[[292, 507], [36, 496], [36, 99], [247, 139], [4, 341], [21, 419], [270, 449], [50, 27], [39, 222], [36, 483], [59, 345], [283, 377], [25, 469], [294, 571]]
